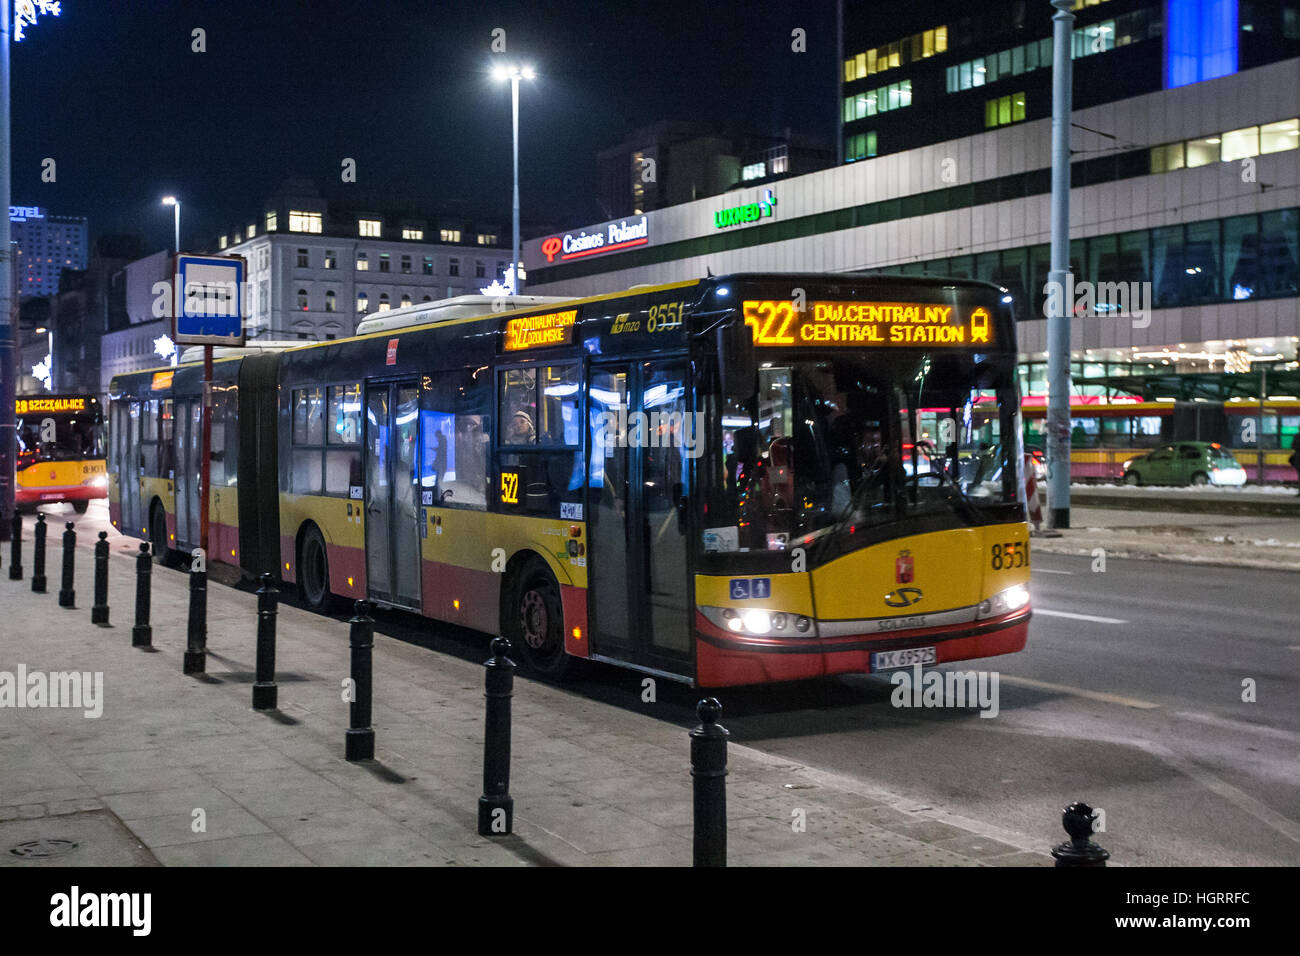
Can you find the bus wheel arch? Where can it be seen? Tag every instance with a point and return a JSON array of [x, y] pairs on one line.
[[312, 561], [532, 615]]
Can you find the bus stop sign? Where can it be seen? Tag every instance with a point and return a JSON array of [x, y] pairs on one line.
[[208, 300]]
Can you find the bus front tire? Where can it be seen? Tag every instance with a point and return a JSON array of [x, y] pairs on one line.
[[535, 624], [314, 572]]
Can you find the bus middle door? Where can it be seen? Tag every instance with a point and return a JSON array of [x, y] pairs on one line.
[[392, 494]]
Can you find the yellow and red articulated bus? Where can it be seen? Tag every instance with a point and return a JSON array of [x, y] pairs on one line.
[[60, 450], [733, 480]]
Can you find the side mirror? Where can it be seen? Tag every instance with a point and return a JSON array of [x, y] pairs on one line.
[[736, 361]]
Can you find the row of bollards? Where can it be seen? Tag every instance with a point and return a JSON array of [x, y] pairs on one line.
[[495, 805]]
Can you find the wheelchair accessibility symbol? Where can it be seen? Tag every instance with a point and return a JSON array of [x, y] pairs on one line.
[[744, 589]]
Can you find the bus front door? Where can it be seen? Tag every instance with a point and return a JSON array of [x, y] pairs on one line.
[[392, 494], [638, 598]]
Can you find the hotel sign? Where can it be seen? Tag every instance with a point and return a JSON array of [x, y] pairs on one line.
[[867, 324], [602, 240]]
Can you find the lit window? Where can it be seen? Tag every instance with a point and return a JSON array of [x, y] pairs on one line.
[[486, 239], [252, 230], [270, 222], [331, 260], [363, 302], [412, 233], [370, 227], [1203, 152], [304, 221], [363, 263], [406, 300], [221, 242], [1240, 144], [1277, 137], [450, 235], [384, 305]]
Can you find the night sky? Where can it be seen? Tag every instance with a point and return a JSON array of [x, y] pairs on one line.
[[112, 92]]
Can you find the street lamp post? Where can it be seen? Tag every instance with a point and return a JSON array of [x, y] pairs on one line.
[[176, 205], [514, 74]]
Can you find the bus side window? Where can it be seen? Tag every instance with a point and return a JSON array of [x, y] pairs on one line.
[[453, 461], [343, 438]]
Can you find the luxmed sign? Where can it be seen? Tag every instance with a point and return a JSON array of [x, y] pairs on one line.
[[610, 237]]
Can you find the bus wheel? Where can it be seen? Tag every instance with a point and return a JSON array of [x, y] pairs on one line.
[[535, 626], [314, 572], [80, 506], [163, 554], [1132, 478]]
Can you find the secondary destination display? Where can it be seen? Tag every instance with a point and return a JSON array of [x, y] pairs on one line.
[[537, 331], [776, 322]]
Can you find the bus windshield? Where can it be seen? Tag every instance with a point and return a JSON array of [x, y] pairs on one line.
[[837, 453], [58, 438]]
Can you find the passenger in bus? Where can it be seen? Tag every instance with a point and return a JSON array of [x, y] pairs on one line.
[[522, 431]]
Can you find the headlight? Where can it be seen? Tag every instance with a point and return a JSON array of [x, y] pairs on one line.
[[98, 481], [1004, 602], [1128, 464], [758, 622]]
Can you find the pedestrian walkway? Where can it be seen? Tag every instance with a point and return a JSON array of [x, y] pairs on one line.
[[181, 771], [1243, 541]]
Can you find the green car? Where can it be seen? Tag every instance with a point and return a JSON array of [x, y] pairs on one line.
[[1185, 463]]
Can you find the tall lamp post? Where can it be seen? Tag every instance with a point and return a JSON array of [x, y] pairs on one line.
[[176, 205], [514, 73], [14, 19]]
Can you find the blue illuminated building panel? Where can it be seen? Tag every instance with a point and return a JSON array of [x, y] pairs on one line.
[[1200, 40]]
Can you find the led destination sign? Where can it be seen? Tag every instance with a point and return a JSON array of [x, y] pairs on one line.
[[538, 331], [37, 406], [915, 324]]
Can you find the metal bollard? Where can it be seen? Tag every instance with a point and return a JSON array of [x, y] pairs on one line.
[[1080, 851], [67, 594], [16, 548], [38, 555], [265, 693], [359, 741], [709, 770], [99, 610], [496, 808], [196, 644], [142, 633]]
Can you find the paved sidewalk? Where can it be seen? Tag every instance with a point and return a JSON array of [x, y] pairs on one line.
[[593, 784], [1244, 541]]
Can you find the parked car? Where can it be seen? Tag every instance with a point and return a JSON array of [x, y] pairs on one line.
[[1185, 463]]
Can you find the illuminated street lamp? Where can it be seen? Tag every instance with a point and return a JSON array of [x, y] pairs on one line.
[[514, 73], [176, 204]]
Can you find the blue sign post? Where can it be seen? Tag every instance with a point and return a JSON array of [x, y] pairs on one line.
[[208, 306]]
